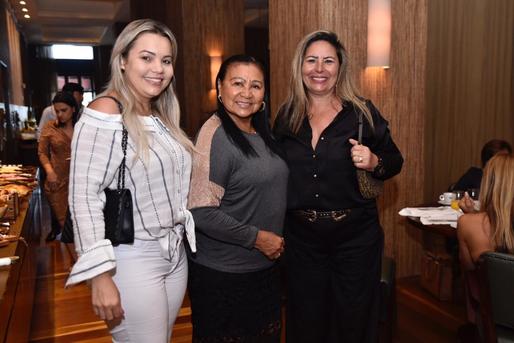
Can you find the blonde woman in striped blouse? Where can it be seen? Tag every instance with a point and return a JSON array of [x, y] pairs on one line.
[[137, 289]]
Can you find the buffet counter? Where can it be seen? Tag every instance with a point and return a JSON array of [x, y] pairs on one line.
[[17, 281]]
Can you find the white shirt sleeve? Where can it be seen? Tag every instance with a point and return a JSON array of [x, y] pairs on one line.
[[95, 158], [47, 115]]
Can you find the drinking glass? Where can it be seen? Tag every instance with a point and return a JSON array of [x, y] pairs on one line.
[[473, 193]]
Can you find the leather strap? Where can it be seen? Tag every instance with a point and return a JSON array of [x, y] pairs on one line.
[[314, 215]]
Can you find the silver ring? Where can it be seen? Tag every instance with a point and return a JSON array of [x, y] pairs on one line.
[[360, 159]]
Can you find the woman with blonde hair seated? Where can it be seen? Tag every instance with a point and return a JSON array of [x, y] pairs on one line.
[[492, 228]]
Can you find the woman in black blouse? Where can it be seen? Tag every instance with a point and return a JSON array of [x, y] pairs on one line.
[[334, 241]]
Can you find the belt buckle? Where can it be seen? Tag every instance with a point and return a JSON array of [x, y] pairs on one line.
[[312, 215], [338, 217]]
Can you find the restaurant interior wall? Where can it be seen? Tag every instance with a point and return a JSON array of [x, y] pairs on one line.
[[398, 92], [257, 45], [9, 146], [41, 76], [4, 48], [470, 94], [43, 72], [15, 41], [101, 73], [4, 59]]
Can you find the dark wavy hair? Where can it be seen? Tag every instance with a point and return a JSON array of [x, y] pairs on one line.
[[493, 147], [260, 119], [68, 99]]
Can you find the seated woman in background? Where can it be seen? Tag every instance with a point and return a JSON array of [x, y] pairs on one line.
[[491, 229], [472, 178], [54, 152]]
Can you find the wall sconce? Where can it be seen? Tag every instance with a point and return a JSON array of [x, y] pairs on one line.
[[215, 66], [379, 33]]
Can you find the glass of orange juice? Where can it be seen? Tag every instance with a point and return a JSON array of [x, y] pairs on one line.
[[455, 203]]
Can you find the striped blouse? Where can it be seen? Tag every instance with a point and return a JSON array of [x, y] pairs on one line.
[[159, 188]]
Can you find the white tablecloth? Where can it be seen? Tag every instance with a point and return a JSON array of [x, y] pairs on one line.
[[444, 215]]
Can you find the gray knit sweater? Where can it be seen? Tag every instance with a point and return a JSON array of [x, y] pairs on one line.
[[232, 197]]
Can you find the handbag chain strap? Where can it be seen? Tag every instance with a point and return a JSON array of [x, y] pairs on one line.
[[121, 170], [360, 129]]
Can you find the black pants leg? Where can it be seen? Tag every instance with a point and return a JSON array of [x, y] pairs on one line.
[[307, 292], [355, 289], [333, 275]]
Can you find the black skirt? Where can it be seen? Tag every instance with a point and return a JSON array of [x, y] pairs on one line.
[[235, 307]]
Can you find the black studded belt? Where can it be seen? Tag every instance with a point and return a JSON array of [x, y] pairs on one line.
[[314, 215]]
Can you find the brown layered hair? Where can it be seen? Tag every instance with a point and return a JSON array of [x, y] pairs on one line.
[[295, 108]]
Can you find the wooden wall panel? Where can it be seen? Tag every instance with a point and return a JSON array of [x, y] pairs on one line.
[[15, 70], [469, 85], [397, 92], [213, 27]]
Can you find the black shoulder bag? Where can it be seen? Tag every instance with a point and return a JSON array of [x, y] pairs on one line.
[[369, 186], [118, 210]]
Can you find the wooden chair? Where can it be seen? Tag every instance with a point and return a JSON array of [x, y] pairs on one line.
[[496, 286]]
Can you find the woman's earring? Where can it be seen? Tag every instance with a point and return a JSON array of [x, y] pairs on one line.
[[219, 99], [263, 107]]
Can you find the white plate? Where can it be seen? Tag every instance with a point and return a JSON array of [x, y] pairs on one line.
[[444, 203]]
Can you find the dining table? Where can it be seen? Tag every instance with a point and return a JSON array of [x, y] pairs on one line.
[[439, 265]]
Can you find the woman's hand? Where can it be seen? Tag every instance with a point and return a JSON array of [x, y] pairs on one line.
[[51, 180], [466, 204], [51, 177], [270, 244], [106, 297], [362, 157]]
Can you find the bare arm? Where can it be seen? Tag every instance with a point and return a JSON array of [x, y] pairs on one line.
[[464, 256], [473, 231]]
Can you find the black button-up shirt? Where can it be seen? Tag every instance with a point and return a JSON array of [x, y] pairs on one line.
[[324, 178]]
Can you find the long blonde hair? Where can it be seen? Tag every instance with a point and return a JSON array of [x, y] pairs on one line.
[[165, 106], [497, 199], [296, 106]]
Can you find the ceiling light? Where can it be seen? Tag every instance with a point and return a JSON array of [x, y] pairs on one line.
[[23, 2], [27, 16], [24, 9]]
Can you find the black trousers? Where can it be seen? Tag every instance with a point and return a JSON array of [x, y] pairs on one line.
[[333, 277]]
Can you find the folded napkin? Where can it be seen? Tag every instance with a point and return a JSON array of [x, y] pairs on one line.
[[443, 215]]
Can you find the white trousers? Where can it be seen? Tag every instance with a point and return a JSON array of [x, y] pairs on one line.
[[151, 290]]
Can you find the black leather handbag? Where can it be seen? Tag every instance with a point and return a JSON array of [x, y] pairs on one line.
[[118, 215], [118, 209]]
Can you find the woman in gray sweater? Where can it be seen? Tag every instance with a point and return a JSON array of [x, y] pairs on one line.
[[237, 198]]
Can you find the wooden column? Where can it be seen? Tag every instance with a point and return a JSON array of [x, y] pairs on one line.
[[398, 92], [203, 29]]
